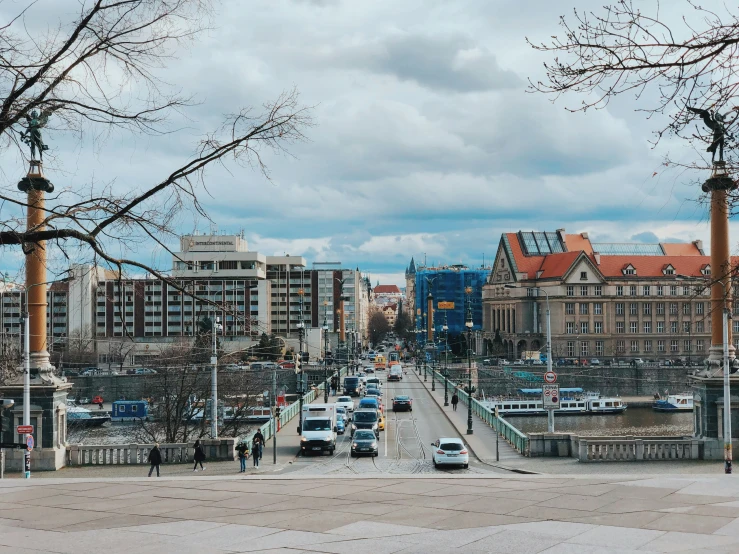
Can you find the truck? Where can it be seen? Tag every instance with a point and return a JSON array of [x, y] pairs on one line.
[[319, 429], [532, 356]]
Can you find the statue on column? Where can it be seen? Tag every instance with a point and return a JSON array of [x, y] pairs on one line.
[[32, 135], [718, 124]]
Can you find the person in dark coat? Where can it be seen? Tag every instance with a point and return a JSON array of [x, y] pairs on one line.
[[155, 459], [199, 456], [256, 448], [243, 450], [455, 401]]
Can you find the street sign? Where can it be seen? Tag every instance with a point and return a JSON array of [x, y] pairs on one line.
[[24, 429], [550, 377], [29, 442], [445, 306], [550, 396]]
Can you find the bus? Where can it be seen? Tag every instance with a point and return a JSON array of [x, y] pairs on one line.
[[380, 361]]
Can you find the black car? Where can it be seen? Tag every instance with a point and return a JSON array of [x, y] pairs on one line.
[[364, 442], [402, 402], [366, 419], [352, 386], [373, 392]]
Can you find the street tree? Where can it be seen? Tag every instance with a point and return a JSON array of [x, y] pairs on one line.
[[403, 327], [378, 327]]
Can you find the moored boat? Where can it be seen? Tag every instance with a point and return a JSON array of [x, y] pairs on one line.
[[674, 403], [573, 401], [82, 417]]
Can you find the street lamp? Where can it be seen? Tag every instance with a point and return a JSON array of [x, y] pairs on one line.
[[215, 327], [433, 367], [445, 329], [469, 325], [325, 360], [425, 336]]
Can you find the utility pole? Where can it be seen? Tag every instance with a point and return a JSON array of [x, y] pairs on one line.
[[325, 360], [274, 418], [215, 323], [445, 328], [299, 362], [469, 323]]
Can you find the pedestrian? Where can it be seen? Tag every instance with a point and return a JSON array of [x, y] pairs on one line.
[[243, 452], [260, 436], [455, 401], [256, 448], [155, 459], [199, 456]]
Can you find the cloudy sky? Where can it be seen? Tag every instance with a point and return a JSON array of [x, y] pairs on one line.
[[426, 142]]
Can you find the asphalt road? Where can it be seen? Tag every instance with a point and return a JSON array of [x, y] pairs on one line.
[[405, 445]]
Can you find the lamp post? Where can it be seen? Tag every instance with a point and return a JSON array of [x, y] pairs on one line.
[[468, 323], [433, 367], [425, 337], [325, 361], [299, 364], [215, 326], [445, 328]]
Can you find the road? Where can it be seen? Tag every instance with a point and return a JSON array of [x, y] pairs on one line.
[[405, 445]]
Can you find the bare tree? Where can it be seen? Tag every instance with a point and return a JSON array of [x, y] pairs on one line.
[[668, 62]]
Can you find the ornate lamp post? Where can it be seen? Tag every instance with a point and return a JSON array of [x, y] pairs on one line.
[[299, 362], [424, 331], [433, 367], [325, 360], [445, 329], [469, 324]]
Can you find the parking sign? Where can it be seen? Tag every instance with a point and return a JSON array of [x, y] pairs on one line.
[[550, 396]]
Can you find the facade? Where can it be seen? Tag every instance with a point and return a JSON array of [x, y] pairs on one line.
[[390, 311], [606, 300], [410, 289], [325, 278], [447, 285]]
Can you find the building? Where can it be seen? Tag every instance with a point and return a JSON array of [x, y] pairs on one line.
[[390, 311], [326, 278], [391, 292], [410, 289], [606, 300], [454, 289]]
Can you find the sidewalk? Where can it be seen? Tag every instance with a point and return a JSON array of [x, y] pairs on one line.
[[482, 441]]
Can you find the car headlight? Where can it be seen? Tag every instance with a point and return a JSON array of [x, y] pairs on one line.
[[327, 439], [303, 439], [374, 445], [354, 445]]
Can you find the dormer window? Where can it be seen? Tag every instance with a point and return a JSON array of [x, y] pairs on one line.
[[629, 270], [706, 269], [583, 275], [668, 270]]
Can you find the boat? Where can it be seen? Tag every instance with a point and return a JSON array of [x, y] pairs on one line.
[[674, 403], [77, 416], [573, 401], [130, 410]]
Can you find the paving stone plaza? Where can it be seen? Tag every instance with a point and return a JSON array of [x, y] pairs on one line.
[[499, 514]]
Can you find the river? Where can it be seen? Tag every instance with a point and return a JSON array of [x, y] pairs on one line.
[[634, 421]]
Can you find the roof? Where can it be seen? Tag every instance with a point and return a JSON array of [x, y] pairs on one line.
[[652, 266], [681, 249], [387, 289], [556, 265], [578, 243]]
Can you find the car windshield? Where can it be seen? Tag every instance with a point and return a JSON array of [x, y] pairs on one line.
[[373, 392], [371, 402], [345, 399], [450, 446], [364, 436], [351, 380], [340, 410], [317, 425], [401, 398], [365, 417]]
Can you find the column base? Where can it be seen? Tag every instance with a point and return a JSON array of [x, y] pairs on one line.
[[714, 364]]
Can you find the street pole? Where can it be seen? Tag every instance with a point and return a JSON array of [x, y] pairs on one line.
[[214, 382], [728, 454], [433, 368], [27, 384], [469, 323], [274, 419], [445, 328], [550, 413]]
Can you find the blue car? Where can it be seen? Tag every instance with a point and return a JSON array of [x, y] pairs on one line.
[[340, 425]]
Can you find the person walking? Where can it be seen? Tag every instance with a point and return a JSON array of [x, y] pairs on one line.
[[256, 448], [243, 453], [199, 456], [455, 401], [155, 459]]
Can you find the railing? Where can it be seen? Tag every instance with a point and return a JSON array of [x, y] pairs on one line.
[[132, 454], [631, 449], [515, 438]]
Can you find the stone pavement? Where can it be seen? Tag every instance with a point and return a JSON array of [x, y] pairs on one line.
[[497, 514]]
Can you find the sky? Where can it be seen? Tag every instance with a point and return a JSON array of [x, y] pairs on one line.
[[425, 142]]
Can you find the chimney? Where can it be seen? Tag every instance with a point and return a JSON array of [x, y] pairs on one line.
[[699, 246], [596, 255], [584, 235]]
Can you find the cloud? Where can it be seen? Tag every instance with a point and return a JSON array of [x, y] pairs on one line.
[[646, 236]]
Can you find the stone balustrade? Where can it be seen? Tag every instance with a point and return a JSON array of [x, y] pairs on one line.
[[131, 454], [634, 449]]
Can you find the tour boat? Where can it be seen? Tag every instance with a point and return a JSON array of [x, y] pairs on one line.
[[674, 403], [573, 401], [82, 417]]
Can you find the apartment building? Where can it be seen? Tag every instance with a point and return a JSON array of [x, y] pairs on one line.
[[606, 300]]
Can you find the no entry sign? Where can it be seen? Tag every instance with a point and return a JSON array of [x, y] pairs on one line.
[[550, 396]]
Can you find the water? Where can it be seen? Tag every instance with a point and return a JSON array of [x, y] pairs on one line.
[[634, 421]]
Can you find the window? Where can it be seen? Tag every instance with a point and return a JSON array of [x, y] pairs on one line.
[[134, 408], [620, 346], [647, 346], [570, 327], [646, 290], [669, 270], [570, 290], [698, 326], [647, 326], [660, 346], [629, 270], [673, 346], [635, 346], [699, 345], [673, 327], [686, 326], [599, 348], [647, 308], [706, 270], [686, 308], [633, 308], [598, 290], [660, 290], [570, 308], [583, 290], [598, 308], [735, 326], [660, 308], [598, 327], [699, 308], [570, 348], [228, 264], [660, 326], [673, 308], [584, 327], [632, 290], [673, 290], [634, 327], [584, 348], [687, 347], [619, 308], [584, 308], [686, 290], [619, 326], [583, 275], [619, 290]]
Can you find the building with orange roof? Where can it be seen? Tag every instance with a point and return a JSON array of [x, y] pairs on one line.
[[608, 301]]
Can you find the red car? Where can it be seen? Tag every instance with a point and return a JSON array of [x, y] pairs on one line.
[[97, 399]]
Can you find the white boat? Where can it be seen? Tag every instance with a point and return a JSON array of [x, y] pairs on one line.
[[573, 402], [82, 417], [674, 403]]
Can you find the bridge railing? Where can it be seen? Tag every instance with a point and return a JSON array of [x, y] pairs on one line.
[[631, 449], [133, 454], [515, 438]]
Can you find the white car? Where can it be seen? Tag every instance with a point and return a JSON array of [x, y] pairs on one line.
[[450, 451], [343, 414], [345, 402]]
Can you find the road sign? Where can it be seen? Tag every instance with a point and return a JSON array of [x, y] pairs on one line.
[[24, 429], [550, 377], [29, 442], [550, 396]]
